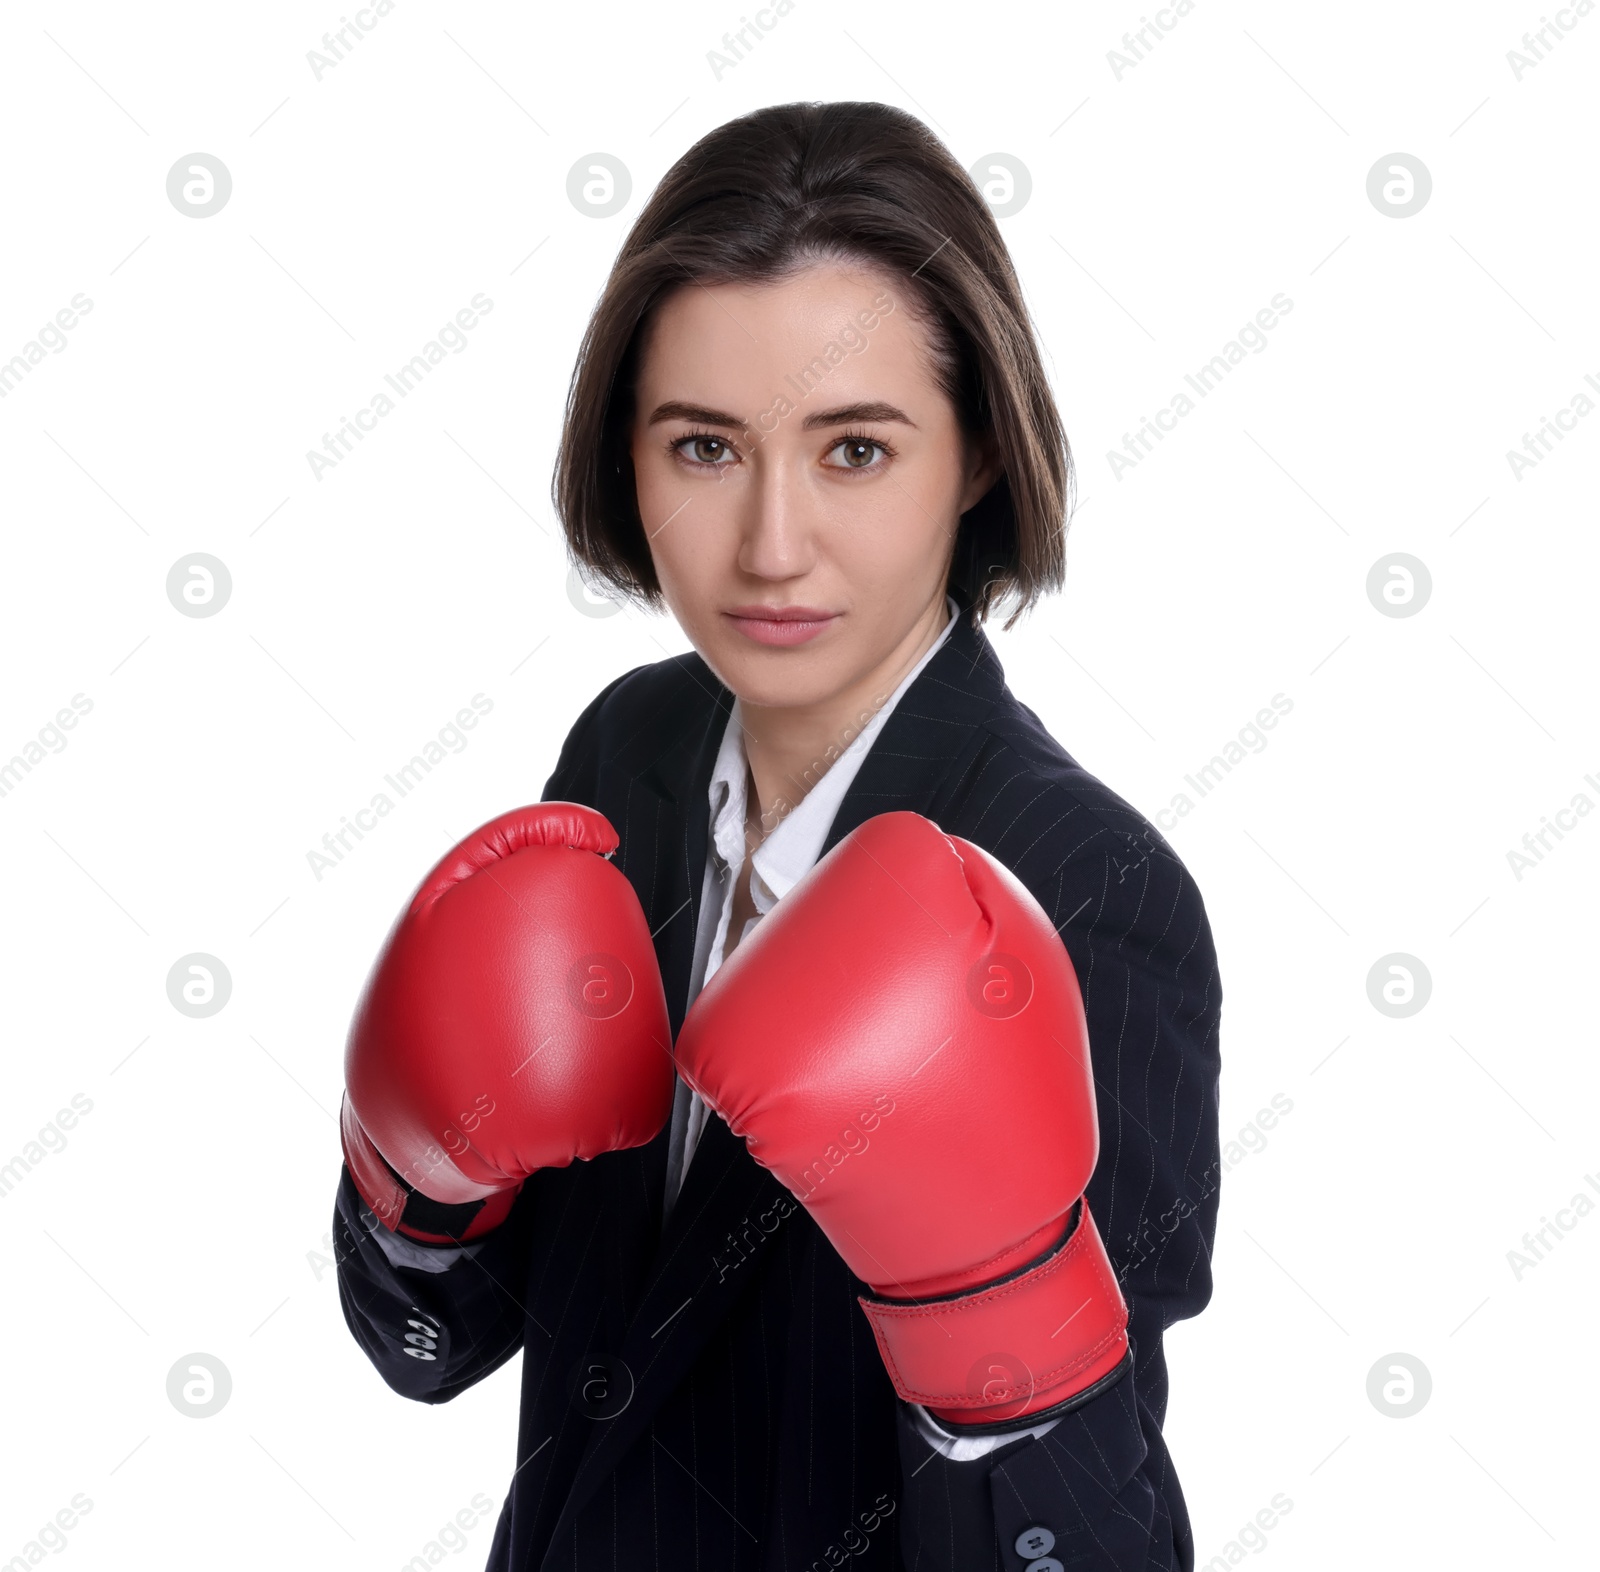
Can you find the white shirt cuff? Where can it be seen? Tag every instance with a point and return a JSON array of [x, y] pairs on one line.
[[967, 1449]]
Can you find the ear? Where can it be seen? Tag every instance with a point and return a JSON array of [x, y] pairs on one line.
[[982, 467]]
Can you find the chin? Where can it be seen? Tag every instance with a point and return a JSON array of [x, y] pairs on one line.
[[779, 679]]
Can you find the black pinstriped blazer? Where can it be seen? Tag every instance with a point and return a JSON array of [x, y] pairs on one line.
[[712, 1398]]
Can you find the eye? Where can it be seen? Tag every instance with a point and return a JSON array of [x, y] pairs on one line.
[[857, 452], [703, 450]]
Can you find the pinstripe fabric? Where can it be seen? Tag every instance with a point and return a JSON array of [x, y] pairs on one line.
[[710, 1396]]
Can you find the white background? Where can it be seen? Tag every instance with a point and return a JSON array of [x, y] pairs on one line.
[[187, 1211]]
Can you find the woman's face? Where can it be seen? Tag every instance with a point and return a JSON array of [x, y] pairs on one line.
[[793, 452]]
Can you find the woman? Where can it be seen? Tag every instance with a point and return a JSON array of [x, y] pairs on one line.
[[809, 416]]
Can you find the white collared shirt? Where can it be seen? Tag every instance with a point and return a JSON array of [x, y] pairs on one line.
[[779, 863]]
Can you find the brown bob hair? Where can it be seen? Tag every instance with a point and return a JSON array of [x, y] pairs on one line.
[[777, 190]]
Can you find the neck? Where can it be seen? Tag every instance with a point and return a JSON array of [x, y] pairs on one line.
[[791, 747]]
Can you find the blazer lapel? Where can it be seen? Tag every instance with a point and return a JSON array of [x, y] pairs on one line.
[[647, 792]]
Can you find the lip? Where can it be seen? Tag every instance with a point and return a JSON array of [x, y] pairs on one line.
[[781, 625]]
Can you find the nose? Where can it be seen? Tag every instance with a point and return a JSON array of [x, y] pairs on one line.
[[777, 526]]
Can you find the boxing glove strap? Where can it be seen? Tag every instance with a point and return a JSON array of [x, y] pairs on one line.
[[401, 1207], [1013, 1348]]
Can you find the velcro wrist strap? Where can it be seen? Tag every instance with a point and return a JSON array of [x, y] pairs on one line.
[[1021, 1345], [402, 1208]]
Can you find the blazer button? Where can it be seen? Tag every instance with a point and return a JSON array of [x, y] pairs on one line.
[[1035, 1542]]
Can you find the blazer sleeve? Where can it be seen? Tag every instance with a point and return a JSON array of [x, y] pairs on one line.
[[440, 1321], [435, 1321], [1099, 1487]]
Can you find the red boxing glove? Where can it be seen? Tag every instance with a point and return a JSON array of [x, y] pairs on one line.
[[514, 1020], [902, 1042]]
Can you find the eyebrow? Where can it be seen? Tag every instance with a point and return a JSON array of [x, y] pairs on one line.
[[843, 415]]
